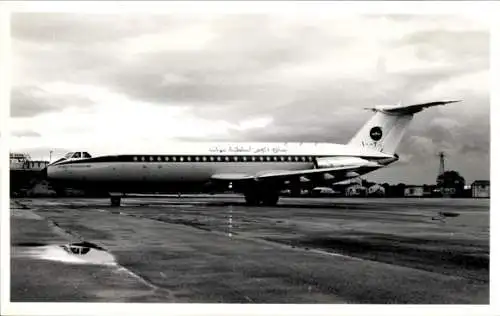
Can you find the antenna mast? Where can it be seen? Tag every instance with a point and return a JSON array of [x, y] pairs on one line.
[[441, 163]]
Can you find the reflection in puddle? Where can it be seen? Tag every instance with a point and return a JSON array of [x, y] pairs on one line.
[[79, 253], [76, 250], [230, 222]]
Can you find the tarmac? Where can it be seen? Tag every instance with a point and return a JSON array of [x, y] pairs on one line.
[[215, 249]]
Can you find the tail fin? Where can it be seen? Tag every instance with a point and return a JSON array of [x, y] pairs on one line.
[[386, 128]]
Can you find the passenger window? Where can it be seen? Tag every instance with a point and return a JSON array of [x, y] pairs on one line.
[[235, 158], [244, 158], [151, 158], [143, 158], [218, 159], [159, 159], [166, 158], [204, 158], [181, 159], [197, 158], [268, 158], [211, 158], [188, 158], [174, 158], [77, 155], [135, 158]]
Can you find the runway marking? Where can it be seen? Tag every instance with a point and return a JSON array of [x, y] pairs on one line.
[[230, 222], [258, 240], [241, 235], [139, 278]]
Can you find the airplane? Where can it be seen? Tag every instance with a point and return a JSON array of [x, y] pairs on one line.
[[257, 170]]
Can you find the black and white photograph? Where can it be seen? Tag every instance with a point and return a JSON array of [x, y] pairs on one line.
[[248, 157]]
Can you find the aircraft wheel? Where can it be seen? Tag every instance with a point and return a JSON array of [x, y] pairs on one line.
[[270, 199], [295, 192], [60, 192], [115, 201], [252, 199]]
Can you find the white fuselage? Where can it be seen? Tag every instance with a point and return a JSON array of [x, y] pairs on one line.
[[197, 163]]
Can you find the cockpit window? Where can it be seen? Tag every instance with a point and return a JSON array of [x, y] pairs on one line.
[[77, 155]]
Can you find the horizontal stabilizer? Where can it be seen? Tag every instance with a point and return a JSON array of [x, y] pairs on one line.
[[408, 109]]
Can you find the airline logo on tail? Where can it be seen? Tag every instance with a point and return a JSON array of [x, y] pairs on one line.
[[376, 133]]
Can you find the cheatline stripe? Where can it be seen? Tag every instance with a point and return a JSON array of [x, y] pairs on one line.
[[192, 158], [198, 159]]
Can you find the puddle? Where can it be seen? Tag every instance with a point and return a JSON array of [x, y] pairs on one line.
[[442, 216], [448, 214], [76, 253]]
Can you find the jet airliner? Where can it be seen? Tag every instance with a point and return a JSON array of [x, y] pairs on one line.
[[257, 170]]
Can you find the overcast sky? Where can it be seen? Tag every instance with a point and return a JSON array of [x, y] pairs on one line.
[[137, 82]]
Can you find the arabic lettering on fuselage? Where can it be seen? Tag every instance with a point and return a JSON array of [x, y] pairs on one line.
[[248, 149], [239, 149]]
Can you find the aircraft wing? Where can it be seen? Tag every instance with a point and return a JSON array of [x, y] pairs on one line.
[[308, 172], [340, 173]]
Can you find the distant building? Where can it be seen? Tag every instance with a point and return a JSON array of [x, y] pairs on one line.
[[414, 191], [451, 184], [448, 191], [376, 190], [24, 172], [428, 190], [480, 189], [355, 190], [21, 161]]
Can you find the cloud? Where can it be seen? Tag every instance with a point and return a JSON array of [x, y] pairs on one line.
[[28, 101], [25, 133], [82, 80]]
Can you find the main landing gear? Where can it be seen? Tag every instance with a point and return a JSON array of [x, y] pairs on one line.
[[258, 197], [116, 200]]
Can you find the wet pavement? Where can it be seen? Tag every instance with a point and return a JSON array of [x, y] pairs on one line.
[[216, 249]]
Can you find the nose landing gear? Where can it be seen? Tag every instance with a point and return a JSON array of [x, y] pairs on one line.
[[267, 197], [115, 199]]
